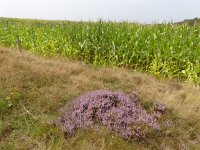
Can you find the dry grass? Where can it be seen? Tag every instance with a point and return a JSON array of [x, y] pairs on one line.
[[33, 89]]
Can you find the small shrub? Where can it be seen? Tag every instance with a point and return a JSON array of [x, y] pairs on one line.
[[116, 111]]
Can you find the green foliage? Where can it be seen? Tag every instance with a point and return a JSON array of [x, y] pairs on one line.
[[7, 104], [164, 50]]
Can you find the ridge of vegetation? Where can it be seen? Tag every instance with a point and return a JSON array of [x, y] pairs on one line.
[[192, 22]]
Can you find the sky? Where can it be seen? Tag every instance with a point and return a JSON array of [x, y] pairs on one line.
[[143, 11]]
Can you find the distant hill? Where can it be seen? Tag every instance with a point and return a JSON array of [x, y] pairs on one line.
[[191, 22]]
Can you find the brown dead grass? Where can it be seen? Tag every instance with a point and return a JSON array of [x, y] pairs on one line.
[[44, 85]]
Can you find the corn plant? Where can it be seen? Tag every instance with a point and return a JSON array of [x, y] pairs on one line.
[[164, 50]]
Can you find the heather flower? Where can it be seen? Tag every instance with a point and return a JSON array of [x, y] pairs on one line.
[[160, 108], [116, 111]]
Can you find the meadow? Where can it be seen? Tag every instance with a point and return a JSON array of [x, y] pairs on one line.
[[45, 65], [164, 50], [33, 89]]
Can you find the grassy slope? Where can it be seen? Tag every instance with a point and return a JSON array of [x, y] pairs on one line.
[[33, 89]]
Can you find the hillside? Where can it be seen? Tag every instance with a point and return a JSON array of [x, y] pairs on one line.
[[192, 22], [34, 88]]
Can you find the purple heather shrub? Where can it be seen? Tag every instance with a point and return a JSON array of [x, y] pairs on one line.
[[116, 111], [160, 108]]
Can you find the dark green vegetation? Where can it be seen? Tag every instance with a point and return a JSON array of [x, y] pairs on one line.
[[191, 22], [164, 50], [33, 89]]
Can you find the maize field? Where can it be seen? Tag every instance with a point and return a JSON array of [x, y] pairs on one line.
[[163, 50]]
